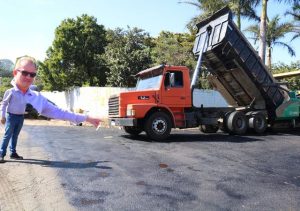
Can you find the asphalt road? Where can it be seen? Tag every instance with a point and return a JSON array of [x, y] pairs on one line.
[[107, 170]]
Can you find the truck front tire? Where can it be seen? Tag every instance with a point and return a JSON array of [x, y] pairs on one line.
[[158, 126]]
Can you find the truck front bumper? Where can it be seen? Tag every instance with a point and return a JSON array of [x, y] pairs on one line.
[[122, 122]]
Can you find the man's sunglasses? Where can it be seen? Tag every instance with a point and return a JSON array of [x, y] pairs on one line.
[[26, 73]]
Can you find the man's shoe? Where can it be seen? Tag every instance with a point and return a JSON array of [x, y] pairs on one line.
[[16, 156], [2, 159]]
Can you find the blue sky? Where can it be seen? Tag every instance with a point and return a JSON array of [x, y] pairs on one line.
[[27, 26]]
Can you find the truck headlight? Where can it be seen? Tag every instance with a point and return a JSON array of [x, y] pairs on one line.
[[130, 112]]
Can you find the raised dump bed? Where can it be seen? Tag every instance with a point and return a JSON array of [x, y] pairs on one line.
[[236, 69]]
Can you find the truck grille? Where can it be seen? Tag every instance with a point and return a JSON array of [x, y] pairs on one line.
[[113, 106]]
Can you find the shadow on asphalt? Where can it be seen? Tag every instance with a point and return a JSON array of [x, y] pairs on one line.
[[181, 136], [290, 131], [198, 138], [63, 164]]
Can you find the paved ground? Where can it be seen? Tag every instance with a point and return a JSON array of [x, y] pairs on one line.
[[107, 170]]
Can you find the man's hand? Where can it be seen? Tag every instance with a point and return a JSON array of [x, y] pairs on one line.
[[3, 120], [93, 120]]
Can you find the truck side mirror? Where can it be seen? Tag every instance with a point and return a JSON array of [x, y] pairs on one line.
[[172, 79], [167, 80]]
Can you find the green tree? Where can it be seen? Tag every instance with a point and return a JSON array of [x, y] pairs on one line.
[[76, 55], [176, 49], [6, 67], [5, 84], [294, 82], [275, 32], [173, 48], [127, 53]]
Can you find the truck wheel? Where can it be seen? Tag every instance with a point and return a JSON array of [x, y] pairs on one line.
[[209, 128], [258, 122], [237, 123], [158, 126], [223, 126], [134, 131]]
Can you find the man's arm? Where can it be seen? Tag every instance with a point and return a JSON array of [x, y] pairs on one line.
[[93, 120], [52, 111], [4, 104]]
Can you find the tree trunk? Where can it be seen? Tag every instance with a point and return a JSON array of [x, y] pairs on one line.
[[263, 31], [269, 59], [238, 16]]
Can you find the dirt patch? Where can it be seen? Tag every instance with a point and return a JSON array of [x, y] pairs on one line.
[[27, 184]]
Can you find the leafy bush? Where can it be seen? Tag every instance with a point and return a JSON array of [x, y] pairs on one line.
[[293, 82]]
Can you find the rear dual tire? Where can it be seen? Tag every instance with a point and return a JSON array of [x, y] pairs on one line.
[[258, 122], [237, 123]]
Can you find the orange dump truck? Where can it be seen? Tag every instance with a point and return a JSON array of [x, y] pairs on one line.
[[162, 100], [165, 96]]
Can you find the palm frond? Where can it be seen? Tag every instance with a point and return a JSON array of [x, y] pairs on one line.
[[290, 49]]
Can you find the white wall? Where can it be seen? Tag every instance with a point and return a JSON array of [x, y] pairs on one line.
[[94, 100], [208, 98]]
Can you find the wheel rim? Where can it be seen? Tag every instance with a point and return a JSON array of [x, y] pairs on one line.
[[159, 126], [259, 123], [240, 123]]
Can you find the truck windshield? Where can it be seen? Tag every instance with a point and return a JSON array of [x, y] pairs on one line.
[[149, 83]]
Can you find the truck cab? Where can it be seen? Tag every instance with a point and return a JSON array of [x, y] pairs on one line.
[[156, 104]]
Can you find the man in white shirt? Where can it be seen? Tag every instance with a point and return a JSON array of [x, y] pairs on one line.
[[14, 103]]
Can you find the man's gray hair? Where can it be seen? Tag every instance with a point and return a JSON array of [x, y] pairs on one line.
[[27, 58]]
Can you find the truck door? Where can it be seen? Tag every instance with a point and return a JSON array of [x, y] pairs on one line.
[[173, 92]]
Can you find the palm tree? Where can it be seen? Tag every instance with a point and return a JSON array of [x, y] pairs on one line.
[[243, 8], [263, 27], [208, 7], [295, 13], [275, 31], [263, 31]]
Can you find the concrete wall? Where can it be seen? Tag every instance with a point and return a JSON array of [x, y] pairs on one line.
[[94, 100], [208, 98]]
